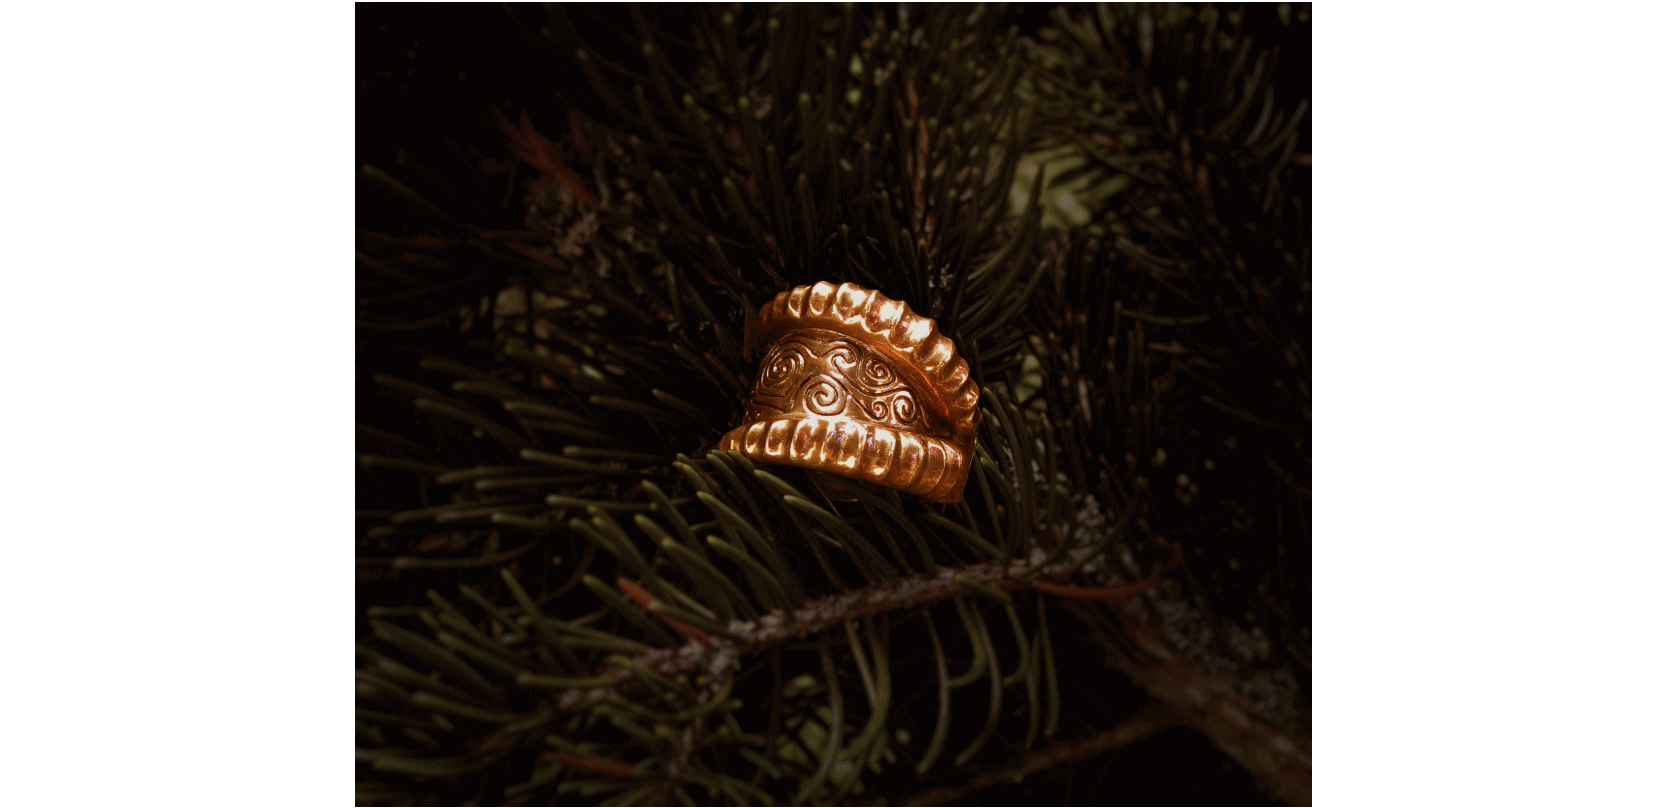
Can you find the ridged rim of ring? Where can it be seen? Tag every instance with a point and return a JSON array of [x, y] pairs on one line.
[[928, 467], [892, 328]]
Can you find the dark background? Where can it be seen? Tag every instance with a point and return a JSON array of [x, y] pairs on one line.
[[428, 75], [427, 79]]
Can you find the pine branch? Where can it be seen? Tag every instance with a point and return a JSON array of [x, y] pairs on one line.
[[1143, 724], [1068, 208], [1250, 712]]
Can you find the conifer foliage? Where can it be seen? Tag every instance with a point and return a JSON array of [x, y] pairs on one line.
[[568, 595]]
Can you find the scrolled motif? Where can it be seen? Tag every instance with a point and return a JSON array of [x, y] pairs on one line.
[[855, 384], [781, 368], [874, 375], [823, 373], [823, 395], [903, 407]]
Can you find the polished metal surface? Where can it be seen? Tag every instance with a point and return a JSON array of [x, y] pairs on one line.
[[856, 384]]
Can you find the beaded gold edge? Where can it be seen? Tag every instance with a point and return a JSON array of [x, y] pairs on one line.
[[918, 464], [932, 464], [888, 326]]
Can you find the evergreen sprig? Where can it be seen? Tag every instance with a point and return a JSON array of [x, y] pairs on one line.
[[573, 597]]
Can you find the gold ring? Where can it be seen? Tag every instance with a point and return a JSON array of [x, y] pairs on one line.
[[856, 384]]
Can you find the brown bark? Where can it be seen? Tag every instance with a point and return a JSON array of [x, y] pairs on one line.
[[1250, 709], [1229, 702]]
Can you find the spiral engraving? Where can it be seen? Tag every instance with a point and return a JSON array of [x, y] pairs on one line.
[[903, 407], [823, 395], [843, 355], [853, 383], [827, 374], [780, 369], [874, 372]]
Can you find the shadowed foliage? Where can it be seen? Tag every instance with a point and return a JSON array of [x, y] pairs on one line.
[[568, 595]]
